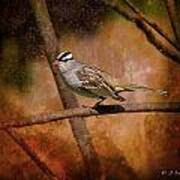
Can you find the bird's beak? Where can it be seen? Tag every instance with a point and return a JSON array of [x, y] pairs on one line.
[[55, 63]]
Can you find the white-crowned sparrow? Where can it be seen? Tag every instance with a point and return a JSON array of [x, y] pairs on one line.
[[90, 81]]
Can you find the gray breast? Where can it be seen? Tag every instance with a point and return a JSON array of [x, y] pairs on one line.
[[70, 76]]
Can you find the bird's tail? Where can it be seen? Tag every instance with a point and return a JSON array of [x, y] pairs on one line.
[[134, 87]]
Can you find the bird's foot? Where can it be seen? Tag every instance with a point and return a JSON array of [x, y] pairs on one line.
[[99, 102], [85, 106]]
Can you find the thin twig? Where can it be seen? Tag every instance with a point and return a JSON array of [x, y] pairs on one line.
[[173, 16], [99, 110], [158, 44], [152, 24]]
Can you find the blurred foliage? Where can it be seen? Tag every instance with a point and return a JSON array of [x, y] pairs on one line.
[[80, 16], [151, 7], [17, 20], [19, 42], [14, 67]]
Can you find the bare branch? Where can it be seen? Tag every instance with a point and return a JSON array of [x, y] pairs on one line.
[[173, 16], [153, 39], [152, 24], [100, 110], [147, 30], [45, 26], [79, 129], [28, 150]]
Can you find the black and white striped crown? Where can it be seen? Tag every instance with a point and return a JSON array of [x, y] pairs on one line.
[[65, 56]]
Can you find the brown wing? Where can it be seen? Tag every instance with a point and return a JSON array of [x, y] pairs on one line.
[[94, 82]]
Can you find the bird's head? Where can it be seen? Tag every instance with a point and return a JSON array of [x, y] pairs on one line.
[[64, 61], [63, 57]]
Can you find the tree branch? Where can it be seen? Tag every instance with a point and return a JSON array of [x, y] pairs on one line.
[[173, 16], [100, 110], [151, 35], [152, 24], [28, 150], [158, 44], [79, 129]]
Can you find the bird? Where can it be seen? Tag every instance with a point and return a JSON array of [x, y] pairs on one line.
[[90, 81]]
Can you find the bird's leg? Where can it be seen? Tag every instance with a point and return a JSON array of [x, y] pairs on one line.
[[99, 102], [118, 97]]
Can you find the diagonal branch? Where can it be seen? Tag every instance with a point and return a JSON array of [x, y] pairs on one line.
[[173, 16], [152, 24], [158, 44], [79, 128], [100, 110], [151, 35], [28, 150]]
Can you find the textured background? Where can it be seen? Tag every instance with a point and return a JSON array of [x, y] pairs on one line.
[[130, 146]]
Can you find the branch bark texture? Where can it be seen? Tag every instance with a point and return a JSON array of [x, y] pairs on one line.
[[78, 124], [150, 29], [174, 19], [31, 153], [170, 107], [151, 23]]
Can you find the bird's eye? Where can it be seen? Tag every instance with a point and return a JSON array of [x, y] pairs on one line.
[[64, 60]]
